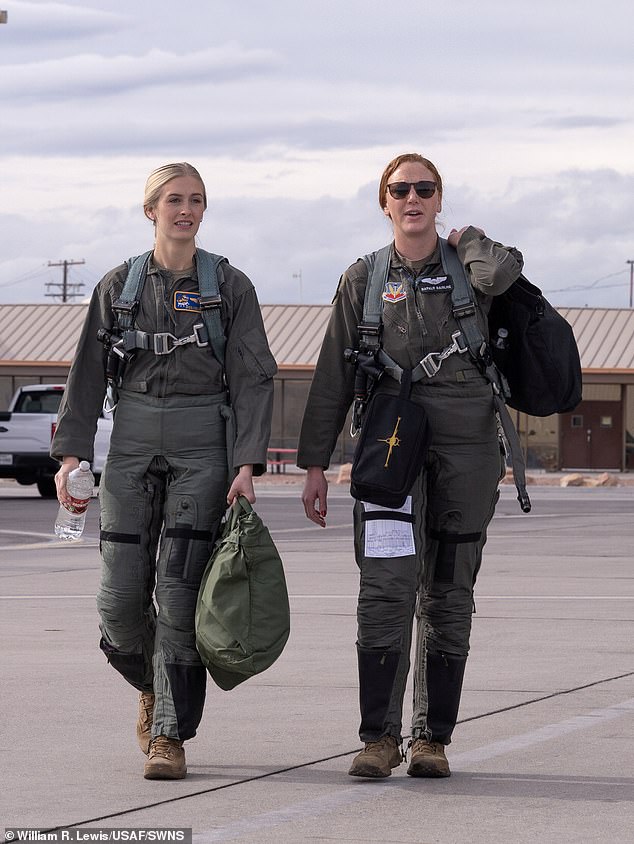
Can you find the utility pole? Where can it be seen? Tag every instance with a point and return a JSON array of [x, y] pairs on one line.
[[65, 294], [631, 263]]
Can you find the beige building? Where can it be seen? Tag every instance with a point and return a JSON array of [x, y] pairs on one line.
[[37, 343]]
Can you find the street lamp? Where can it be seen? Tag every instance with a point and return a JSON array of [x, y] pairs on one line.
[[299, 276], [631, 263]]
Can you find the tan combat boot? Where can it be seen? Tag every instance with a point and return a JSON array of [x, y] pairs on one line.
[[166, 760], [377, 759], [428, 759], [144, 721]]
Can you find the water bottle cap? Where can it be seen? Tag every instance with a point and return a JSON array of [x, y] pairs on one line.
[[84, 465]]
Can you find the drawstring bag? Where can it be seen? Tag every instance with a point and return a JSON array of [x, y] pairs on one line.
[[242, 612], [394, 441]]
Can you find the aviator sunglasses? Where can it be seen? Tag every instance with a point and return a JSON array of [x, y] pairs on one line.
[[400, 190]]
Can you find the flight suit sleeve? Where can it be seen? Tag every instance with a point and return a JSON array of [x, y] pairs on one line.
[[86, 385], [492, 267], [332, 388], [250, 367]]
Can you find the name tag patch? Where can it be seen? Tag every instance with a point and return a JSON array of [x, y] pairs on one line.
[[394, 291], [184, 301], [440, 284]]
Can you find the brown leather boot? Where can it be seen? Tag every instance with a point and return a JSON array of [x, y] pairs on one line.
[[166, 760], [144, 721], [377, 759], [428, 759]]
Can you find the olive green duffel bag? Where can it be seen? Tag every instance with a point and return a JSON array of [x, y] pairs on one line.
[[242, 612]]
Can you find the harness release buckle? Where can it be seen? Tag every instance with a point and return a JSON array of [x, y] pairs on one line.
[[165, 343], [465, 310], [206, 302]]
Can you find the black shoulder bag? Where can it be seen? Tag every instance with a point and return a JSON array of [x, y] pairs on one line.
[[394, 440], [535, 349]]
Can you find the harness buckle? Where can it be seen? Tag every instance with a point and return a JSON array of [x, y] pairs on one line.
[[200, 331], [459, 342], [206, 302], [369, 328], [162, 343], [465, 310], [429, 365]]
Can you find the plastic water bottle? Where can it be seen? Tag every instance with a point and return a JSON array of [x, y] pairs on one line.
[[71, 517]]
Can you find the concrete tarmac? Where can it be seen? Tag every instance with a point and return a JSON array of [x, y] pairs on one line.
[[544, 748]]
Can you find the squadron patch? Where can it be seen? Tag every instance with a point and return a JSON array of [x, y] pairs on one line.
[[439, 284], [394, 291], [184, 301]]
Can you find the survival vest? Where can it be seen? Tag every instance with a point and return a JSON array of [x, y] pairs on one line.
[[468, 340], [124, 339]]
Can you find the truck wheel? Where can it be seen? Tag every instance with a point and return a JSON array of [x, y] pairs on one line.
[[46, 487]]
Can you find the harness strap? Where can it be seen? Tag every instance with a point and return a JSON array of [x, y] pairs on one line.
[[378, 265], [126, 305], [163, 342], [207, 265], [429, 365]]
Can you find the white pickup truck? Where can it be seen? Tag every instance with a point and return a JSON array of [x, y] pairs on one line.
[[26, 430]]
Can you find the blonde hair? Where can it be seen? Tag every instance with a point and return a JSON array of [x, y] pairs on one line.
[[395, 163], [158, 178]]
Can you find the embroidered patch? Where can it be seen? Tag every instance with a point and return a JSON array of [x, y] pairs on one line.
[[439, 284], [394, 291], [184, 301]]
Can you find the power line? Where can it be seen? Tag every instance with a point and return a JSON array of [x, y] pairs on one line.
[[589, 286], [28, 276]]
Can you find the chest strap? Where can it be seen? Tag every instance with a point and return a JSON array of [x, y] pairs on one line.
[[163, 342]]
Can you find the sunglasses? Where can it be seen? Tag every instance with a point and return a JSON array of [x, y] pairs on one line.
[[400, 190]]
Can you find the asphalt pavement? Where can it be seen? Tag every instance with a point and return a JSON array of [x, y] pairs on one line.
[[544, 748]]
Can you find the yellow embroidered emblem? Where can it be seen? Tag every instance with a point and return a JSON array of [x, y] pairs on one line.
[[392, 441]]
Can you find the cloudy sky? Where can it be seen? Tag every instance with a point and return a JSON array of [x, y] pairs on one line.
[[290, 109]]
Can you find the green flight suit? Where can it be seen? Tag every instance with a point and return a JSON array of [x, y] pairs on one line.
[[453, 499], [163, 490]]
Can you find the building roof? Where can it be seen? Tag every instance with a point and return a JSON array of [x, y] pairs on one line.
[[48, 334]]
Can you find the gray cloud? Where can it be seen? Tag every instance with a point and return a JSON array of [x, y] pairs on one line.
[[570, 244], [96, 76], [35, 23], [582, 121]]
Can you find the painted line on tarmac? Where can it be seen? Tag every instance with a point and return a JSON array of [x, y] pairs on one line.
[[369, 791], [27, 533], [353, 597], [45, 597], [51, 543], [590, 721], [350, 796]]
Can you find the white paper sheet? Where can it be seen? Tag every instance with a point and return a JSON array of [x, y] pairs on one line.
[[388, 537]]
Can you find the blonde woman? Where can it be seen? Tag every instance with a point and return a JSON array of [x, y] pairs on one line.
[[169, 475]]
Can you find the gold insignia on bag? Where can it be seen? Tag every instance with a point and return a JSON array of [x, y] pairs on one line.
[[392, 441]]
